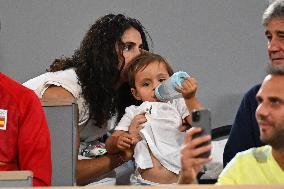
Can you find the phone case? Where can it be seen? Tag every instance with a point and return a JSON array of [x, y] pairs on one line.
[[202, 118]]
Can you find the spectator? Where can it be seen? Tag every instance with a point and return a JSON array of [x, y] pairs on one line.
[[24, 135], [157, 155], [95, 78]]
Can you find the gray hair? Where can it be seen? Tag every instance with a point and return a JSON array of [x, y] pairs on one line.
[[275, 70], [274, 10]]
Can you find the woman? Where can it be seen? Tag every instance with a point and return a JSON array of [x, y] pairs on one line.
[[95, 78]]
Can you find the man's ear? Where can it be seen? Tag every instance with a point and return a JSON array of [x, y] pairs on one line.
[[134, 93]]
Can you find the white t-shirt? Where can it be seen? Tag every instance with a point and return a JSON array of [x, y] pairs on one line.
[[160, 132]]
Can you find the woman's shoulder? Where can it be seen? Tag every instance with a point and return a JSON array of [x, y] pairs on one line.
[[63, 83], [57, 93]]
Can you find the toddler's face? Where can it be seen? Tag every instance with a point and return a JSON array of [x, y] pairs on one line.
[[146, 80]]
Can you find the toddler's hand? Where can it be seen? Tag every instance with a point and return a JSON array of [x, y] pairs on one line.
[[136, 126], [124, 141], [189, 88]]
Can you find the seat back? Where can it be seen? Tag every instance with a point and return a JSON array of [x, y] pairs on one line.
[[62, 118], [222, 132], [16, 178]]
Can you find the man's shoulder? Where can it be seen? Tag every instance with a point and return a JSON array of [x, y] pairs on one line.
[[252, 91], [258, 154], [247, 159], [9, 84], [13, 87], [249, 99], [247, 167]]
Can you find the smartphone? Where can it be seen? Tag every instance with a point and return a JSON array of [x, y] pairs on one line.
[[202, 118]]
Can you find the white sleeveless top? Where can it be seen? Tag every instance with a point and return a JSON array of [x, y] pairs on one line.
[[69, 81]]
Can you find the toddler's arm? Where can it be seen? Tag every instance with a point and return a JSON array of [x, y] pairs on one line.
[[188, 91]]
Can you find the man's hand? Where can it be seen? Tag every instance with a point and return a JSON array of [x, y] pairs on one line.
[[190, 163]]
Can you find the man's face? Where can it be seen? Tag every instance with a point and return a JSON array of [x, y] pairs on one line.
[[270, 111], [275, 45]]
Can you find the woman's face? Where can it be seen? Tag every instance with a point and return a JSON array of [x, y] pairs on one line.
[[131, 45]]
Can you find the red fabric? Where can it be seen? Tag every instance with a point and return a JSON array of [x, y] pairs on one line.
[[26, 139], [9, 167]]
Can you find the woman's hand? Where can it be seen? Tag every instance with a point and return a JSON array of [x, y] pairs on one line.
[[190, 162], [127, 154]]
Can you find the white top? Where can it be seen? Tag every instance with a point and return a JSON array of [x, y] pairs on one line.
[[68, 80], [160, 132]]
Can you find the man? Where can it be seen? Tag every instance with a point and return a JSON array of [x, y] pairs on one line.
[[262, 165], [24, 135], [245, 131]]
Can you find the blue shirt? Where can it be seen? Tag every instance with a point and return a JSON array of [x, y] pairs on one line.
[[245, 130]]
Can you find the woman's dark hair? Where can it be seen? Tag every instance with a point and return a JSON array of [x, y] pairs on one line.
[[98, 69]]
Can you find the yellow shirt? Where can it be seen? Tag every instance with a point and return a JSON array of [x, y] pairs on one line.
[[253, 166]]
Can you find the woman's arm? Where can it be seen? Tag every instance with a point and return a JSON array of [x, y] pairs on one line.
[[87, 169], [55, 93]]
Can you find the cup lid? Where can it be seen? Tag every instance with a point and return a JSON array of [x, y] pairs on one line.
[[178, 77]]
